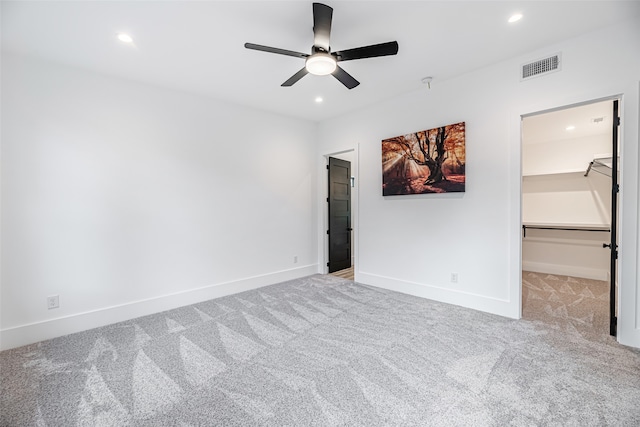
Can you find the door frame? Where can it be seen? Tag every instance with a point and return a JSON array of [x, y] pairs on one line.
[[323, 210], [338, 179], [619, 222]]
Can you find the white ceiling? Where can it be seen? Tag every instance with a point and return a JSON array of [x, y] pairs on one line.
[[197, 46], [554, 125]]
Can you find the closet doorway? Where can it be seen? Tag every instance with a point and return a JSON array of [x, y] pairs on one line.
[[570, 161], [340, 213]]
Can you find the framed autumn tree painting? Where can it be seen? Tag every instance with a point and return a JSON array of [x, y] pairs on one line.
[[429, 161]]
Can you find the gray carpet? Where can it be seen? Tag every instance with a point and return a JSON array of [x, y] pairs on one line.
[[322, 351], [561, 300]]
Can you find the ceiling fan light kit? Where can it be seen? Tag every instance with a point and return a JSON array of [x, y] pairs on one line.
[[321, 64], [322, 61]]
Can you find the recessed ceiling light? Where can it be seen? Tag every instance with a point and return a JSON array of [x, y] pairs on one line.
[[515, 18], [319, 99], [570, 127], [125, 38]]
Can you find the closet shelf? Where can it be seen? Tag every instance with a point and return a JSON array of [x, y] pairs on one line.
[[556, 172], [602, 165]]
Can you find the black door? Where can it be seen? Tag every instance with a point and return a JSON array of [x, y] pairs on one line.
[[613, 244], [339, 214]]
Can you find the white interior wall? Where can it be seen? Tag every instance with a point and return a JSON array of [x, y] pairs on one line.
[[566, 200], [570, 253], [570, 199], [126, 199], [563, 156], [413, 243]]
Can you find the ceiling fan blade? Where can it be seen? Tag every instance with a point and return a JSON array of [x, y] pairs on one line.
[[345, 78], [382, 49], [322, 15], [275, 50], [297, 76]]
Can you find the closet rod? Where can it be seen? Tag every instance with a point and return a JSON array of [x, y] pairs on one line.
[[524, 229]]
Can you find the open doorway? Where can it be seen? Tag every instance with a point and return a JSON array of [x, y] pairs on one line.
[[569, 217], [340, 247]]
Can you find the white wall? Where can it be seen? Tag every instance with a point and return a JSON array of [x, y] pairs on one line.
[[567, 200], [414, 243], [570, 253], [126, 199], [571, 199], [566, 155]]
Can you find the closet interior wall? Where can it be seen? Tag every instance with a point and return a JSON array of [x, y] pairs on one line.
[[565, 210]]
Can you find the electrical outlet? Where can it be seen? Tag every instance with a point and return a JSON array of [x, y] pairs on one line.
[[53, 302], [454, 277], [295, 259]]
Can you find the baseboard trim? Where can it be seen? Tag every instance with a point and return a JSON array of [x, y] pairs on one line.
[[501, 307], [566, 270], [39, 331]]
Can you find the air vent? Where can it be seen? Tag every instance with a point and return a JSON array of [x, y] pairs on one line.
[[540, 67]]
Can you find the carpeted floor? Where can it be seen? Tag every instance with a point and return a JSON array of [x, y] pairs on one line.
[[567, 302], [322, 351]]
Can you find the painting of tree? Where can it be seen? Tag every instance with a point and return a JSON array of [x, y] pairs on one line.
[[429, 161]]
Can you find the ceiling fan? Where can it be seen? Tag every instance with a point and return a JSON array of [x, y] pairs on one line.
[[322, 61]]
